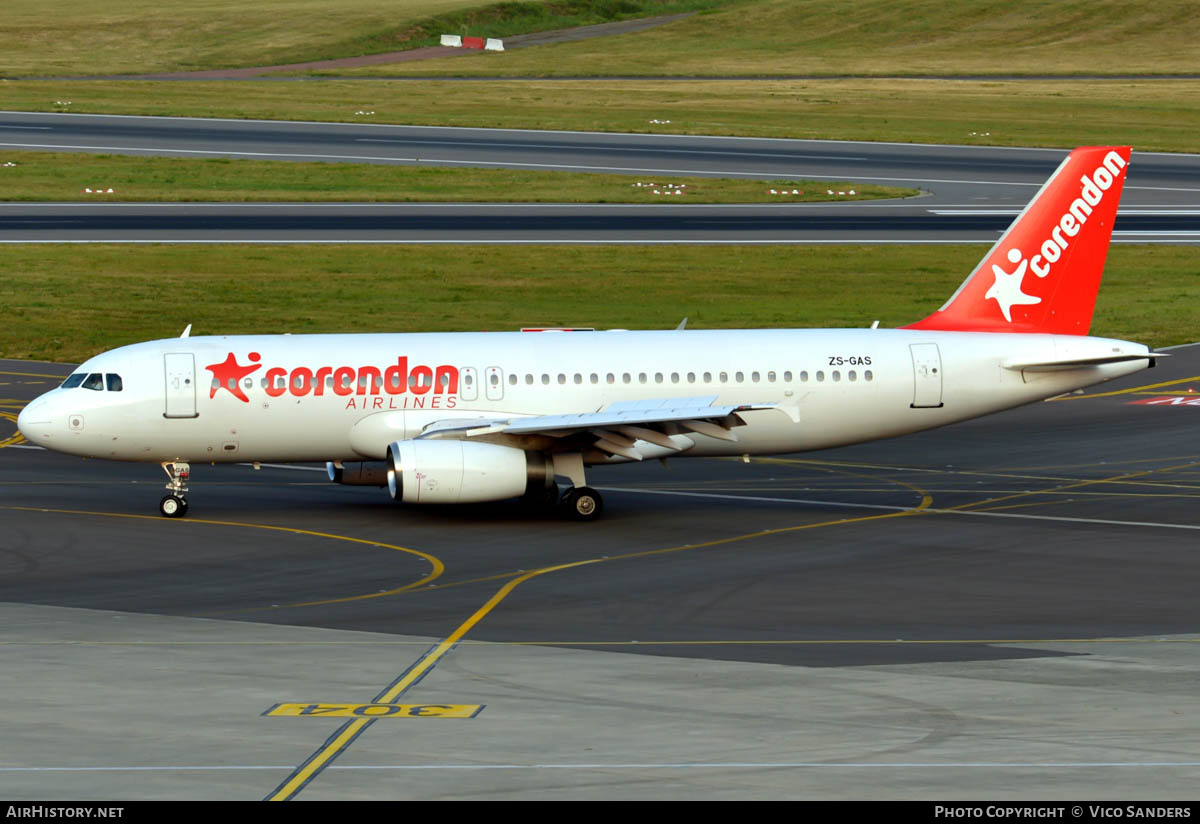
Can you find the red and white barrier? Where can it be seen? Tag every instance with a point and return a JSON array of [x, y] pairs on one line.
[[459, 42]]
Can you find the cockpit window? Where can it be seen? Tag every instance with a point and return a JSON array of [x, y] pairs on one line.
[[114, 382], [74, 380], [94, 381]]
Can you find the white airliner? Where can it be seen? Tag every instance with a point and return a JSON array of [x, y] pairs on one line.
[[464, 417]]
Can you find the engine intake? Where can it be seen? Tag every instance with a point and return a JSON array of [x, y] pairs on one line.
[[459, 472]]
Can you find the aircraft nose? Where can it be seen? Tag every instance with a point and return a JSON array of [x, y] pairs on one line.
[[35, 420]]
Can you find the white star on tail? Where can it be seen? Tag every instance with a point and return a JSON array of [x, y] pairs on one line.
[[1006, 291]]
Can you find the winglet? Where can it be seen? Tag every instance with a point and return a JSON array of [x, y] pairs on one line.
[[1044, 272]]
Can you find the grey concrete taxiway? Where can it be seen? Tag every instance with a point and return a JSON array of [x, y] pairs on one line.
[[971, 193], [1000, 609]]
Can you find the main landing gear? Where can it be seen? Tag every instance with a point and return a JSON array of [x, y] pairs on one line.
[[582, 503], [174, 504], [579, 503]]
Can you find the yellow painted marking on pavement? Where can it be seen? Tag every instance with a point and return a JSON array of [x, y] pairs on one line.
[[351, 731], [438, 566], [334, 746], [12, 439], [1030, 504], [925, 504], [1129, 391], [838, 641], [1186, 393], [1009, 472], [1076, 485], [35, 375], [969, 490], [616, 643], [331, 709]]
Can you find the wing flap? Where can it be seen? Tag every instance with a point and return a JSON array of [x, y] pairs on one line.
[[617, 428]]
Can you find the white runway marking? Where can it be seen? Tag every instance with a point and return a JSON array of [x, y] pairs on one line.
[[729, 765], [927, 510], [585, 147]]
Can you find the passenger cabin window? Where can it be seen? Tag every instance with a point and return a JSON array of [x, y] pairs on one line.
[[74, 380]]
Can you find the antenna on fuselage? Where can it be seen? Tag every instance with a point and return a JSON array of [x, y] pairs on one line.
[[682, 325], [187, 331]]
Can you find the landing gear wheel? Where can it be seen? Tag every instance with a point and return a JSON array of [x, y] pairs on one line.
[[173, 506], [582, 503]]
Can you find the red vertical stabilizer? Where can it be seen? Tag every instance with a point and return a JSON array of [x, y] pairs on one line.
[[1043, 274]]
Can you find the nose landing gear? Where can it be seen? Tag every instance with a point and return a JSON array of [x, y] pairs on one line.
[[174, 504]]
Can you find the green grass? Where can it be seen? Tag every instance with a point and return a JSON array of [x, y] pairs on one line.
[[67, 303], [1151, 115], [515, 17], [82, 37], [875, 37], [79, 37], [57, 176], [739, 37]]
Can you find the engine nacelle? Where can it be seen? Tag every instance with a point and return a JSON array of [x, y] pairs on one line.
[[460, 472], [358, 473]]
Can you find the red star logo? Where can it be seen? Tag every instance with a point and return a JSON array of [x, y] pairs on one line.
[[228, 375]]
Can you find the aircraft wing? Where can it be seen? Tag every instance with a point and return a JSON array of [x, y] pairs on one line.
[[616, 428]]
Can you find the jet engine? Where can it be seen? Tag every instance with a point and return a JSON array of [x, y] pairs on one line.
[[459, 472]]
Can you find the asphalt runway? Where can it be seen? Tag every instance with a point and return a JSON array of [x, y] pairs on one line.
[[971, 192], [1004, 608]]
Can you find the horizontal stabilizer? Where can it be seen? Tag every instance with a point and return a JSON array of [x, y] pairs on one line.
[[1080, 363]]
